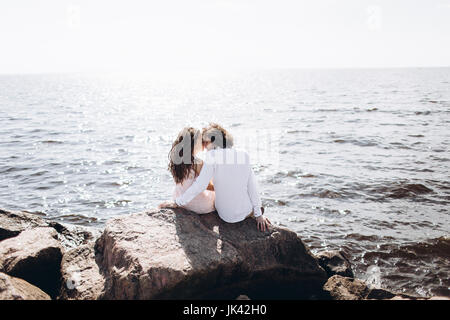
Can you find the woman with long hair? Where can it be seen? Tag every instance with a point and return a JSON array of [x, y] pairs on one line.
[[185, 167]]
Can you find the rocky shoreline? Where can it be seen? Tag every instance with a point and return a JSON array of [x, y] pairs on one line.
[[168, 254]]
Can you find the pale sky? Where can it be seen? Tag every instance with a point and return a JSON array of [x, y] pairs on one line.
[[132, 35]]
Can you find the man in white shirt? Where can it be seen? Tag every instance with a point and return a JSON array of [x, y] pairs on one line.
[[235, 185]]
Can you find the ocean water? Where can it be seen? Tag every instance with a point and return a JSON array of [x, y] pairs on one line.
[[357, 160]]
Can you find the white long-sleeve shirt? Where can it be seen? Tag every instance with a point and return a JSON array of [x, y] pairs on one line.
[[234, 184]]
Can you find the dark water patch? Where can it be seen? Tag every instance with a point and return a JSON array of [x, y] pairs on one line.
[[441, 159], [420, 268], [439, 247], [362, 237], [18, 119], [57, 182], [357, 142], [43, 188], [52, 142], [13, 169], [425, 113], [398, 190], [381, 224], [410, 169], [76, 219], [11, 142], [375, 192], [416, 135], [37, 213], [399, 145], [39, 173], [393, 124]]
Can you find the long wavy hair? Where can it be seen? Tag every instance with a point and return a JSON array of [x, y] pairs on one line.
[[180, 164]]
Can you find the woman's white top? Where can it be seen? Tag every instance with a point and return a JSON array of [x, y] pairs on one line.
[[236, 191]]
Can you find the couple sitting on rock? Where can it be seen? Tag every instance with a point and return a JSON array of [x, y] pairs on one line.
[[224, 181]]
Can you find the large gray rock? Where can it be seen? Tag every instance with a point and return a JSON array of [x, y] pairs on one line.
[[12, 288], [35, 256], [345, 288], [177, 254], [81, 277], [12, 223], [335, 262]]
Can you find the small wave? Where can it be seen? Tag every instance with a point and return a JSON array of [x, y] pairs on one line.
[[362, 237], [39, 173], [399, 145], [13, 169], [416, 135], [326, 110], [421, 268], [438, 247], [397, 190], [293, 174], [407, 190], [274, 202], [52, 142], [422, 113], [37, 213], [76, 218], [360, 142], [429, 250], [324, 193]]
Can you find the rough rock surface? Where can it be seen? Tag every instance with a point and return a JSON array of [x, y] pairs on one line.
[[72, 236], [335, 262], [81, 278], [12, 223], [345, 288], [12, 288], [35, 256], [177, 254]]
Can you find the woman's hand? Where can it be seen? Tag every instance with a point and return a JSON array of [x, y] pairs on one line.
[[263, 223], [168, 204]]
